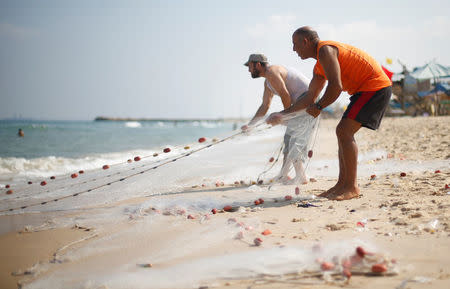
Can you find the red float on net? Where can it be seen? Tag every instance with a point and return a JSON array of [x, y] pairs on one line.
[[74, 175], [81, 172], [257, 241], [137, 158], [9, 192], [43, 183], [288, 197], [379, 268], [271, 159], [166, 150], [202, 139], [310, 154], [105, 167]]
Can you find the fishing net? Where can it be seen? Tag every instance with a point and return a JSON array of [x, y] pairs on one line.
[[234, 160]]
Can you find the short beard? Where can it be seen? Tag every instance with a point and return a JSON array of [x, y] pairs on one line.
[[256, 74]]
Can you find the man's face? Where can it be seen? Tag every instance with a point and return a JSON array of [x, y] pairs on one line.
[[254, 69], [299, 45]]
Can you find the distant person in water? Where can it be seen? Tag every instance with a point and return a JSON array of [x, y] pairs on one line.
[[20, 133], [290, 85], [349, 69]]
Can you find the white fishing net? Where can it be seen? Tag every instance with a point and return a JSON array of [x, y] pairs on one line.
[[234, 160]]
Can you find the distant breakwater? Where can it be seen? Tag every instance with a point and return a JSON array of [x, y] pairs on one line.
[[103, 118]]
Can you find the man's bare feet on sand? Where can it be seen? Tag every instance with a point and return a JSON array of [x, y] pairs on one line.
[[345, 193], [330, 191]]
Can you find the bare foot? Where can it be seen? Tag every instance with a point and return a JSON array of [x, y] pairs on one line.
[[345, 193], [330, 191]]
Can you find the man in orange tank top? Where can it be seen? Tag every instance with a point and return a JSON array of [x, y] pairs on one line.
[[350, 69]]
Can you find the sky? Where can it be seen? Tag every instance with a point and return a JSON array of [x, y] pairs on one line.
[[76, 60]]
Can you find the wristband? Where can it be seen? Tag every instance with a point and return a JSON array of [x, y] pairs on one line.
[[318, 106]]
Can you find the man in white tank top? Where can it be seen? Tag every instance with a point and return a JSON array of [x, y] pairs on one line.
[[289, 85]]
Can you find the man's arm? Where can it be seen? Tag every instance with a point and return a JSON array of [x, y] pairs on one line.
[[315, 87], [328, 57], [264, 107], [277, 83]]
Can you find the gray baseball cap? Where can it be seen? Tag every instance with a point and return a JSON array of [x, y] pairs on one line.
[[257, 57]]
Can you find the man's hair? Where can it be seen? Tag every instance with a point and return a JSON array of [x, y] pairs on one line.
[[263, 64], [308, 33]]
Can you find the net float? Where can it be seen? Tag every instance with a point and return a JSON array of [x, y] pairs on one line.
[[266, 232], [437, 171], [379, 268], [228, 208], [271, 159], [347, 273], [288, 197], [214, 211], [136, 159], [310, 154], [191, 217], [257, 241], [30, 182], [260, 182], [361, 252], [373, 177], [155, 154], [81, 172], [7, 186], [326, 266], [9, 192], [402, 174], [239, 235], [43, 183], [105, 167], [202, 139], [236, 182], [297, 190], [74, 175], [261, 201], [52, 177], [166, 150], [256, 202], [187, 147], [129, 161]]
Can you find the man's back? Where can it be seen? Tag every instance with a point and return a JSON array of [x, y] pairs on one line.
[[296, 83]]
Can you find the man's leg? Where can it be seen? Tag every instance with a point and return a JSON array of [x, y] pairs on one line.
[[348, 160], [300, 176], [341, 179]]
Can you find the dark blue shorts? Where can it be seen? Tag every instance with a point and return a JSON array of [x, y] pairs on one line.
[[368, 107]]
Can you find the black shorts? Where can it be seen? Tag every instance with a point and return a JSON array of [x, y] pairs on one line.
[[368, 107]]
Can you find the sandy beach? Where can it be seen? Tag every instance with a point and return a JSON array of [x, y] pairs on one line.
[[405, 218]]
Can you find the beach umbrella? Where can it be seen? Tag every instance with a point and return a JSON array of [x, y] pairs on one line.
[[431, 70]]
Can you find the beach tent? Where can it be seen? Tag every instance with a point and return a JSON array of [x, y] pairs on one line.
[[440, 87], [431, 70]]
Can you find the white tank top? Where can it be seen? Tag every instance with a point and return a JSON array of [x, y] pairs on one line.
[[296, 84]]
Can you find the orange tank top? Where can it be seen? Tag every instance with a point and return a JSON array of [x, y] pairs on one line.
[[359, 71]]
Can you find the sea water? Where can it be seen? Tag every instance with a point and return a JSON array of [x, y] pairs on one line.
[[56, 147]]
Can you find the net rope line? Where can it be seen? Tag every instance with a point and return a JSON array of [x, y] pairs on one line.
[[153, 166]]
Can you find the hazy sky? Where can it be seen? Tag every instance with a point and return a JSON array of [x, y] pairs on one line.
[[77, 60]]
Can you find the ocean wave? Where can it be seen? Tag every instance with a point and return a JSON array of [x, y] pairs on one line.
[[17, 169], [133, 124]]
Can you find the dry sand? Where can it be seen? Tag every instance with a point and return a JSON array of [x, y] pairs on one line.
[[394, 209]]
